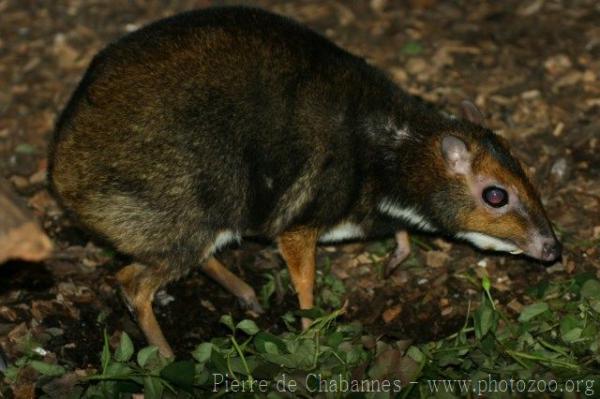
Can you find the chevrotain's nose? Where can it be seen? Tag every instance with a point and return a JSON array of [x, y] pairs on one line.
[[551, 250]]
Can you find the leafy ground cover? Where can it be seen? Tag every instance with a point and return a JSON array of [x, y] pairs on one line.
[[552, 349]]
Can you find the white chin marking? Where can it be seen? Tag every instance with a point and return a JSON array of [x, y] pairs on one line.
[[407, 214], [342, 231], [485, 242]]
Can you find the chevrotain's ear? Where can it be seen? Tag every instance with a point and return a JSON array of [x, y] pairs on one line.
[[456, 154], [471, 113]]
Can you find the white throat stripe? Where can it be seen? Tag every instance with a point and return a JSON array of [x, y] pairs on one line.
[[485, 242], [407, 214]]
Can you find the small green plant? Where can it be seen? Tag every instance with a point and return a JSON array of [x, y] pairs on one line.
[[330, 291], [33, 354], [554, 339], [149, 371], [243, 360]]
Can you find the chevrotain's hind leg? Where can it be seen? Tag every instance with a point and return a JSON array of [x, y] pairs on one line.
[[400, 254], [139, 283], [232, 283], [298, 249]]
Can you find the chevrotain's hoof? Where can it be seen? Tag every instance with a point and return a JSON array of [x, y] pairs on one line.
[[251, 304]]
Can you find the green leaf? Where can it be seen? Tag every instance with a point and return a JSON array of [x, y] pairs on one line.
[[105, 356], [267, 290], [483, 318], [568, 322], [201, 377], [301, 355], [305, 353], [11, 373], [292, 345], [416, 354], [262, 338], [248, 326], [335, 339], [595, 305], [239, 368], [180, 374], [117, 369], [271, 348], [312, 313], [412, 48], [591, 289], [146, 354], [571, 328], [533, 310], [485, 283], [125, 349], [218, 362], [539, 290], [25, 148], [228, 321], [353, 355], [153, 388], [572, 335], [51, 370], [202, 352], [488, 344]]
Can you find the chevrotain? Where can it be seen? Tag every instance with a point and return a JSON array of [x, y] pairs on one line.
[[197, 130]]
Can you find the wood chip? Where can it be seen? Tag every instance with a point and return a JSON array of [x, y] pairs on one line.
[[392, 313]]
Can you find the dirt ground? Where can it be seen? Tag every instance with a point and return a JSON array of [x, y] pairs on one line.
[[532, 66]]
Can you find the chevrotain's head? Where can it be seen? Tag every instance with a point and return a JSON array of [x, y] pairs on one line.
[[484, 196]]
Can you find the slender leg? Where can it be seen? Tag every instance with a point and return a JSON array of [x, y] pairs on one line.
[[298, 249], [139, 284], [400, 254], [232, 283]]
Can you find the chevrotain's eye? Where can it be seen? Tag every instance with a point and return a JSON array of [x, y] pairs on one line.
[[495, 196]]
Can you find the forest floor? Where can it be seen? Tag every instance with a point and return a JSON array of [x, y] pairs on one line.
[[533, 67]]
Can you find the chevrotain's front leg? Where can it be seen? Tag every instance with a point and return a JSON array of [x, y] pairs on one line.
[[298, 249]]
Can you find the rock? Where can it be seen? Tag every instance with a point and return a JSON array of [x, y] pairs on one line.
[[67, 56], [19, 182], [378, 5], [38, 177], [20, 235], [557, 64], [416, 66], [515, 306], [560, 170]]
